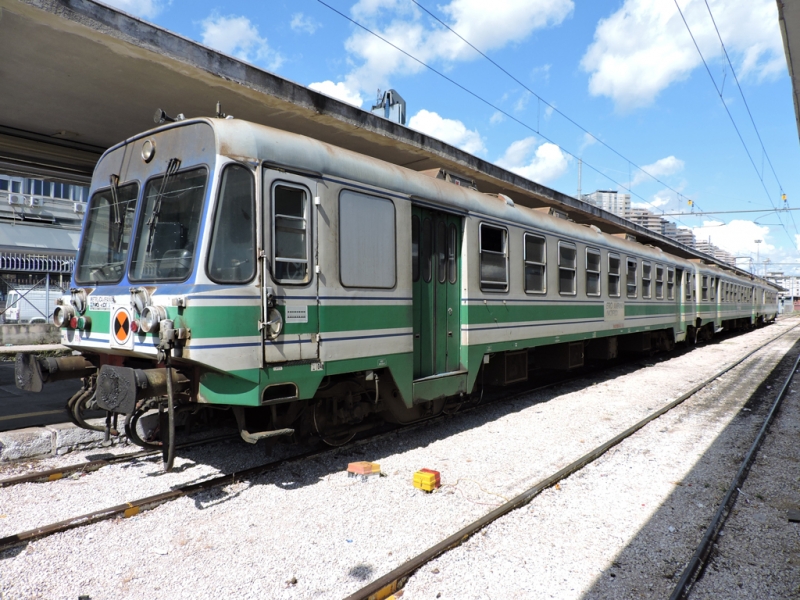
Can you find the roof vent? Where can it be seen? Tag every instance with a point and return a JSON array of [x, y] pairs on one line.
[[626, 236], [451, 177], [553, 212]]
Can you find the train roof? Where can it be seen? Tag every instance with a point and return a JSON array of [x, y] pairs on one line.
[[243, 140]]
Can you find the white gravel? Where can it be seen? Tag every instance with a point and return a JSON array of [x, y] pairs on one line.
[[308, 531]]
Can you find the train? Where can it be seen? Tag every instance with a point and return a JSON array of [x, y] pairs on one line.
[[315, 291]]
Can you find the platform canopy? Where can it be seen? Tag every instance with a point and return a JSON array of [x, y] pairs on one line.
[[77, 77], [789, 19]]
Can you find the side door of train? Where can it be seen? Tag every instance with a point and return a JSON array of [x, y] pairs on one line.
[[290, 284], [436, 279]]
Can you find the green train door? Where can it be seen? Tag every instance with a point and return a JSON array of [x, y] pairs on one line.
[[436, 249]]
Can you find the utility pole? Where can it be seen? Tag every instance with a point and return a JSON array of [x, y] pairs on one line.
[[580, 168]]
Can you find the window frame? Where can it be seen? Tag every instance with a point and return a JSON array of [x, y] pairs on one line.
[[574, 247], [504, 253], [671, 283], [598, 272], [628, 278], [618, 274], [374, 197], [647, 288], [140, 223], [704, 288], [213, 224], [526, 262], [308, 231]]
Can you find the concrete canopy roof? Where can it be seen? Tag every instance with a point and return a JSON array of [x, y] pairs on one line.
[[789, 19], [77, 77]]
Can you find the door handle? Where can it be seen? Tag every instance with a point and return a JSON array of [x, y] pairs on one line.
[[449, 334], [416, 337]]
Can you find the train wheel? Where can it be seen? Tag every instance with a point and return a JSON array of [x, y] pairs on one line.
[[329, 434]]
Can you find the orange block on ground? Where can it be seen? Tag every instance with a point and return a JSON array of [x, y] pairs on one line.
[[363, 468]]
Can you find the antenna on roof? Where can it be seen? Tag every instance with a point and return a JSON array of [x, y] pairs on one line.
[[220, 114]]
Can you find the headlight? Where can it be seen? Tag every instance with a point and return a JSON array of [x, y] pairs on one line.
[[148, 150], [62, 315], [151, 317]]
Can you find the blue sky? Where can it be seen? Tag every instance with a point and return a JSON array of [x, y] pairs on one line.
[[625, 70]]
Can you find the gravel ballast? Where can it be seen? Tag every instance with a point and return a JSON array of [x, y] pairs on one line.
[[307, 530]]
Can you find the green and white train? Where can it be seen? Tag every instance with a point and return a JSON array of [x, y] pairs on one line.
[[316, 290]]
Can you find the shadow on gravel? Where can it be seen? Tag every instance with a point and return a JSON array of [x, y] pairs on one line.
[[298, 475], [653, 561]]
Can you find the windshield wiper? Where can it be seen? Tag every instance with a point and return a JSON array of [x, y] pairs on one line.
[[172, 168], [114, 181]]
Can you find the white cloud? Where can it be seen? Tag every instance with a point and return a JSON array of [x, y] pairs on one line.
[[302, 23], [238, 37], [497, 117], [448, 130], [662, 167], [587, 140], [736, 237], [147, 9], [522, 103], [405, 25], [340, 91], [644, 47], [542, 164]]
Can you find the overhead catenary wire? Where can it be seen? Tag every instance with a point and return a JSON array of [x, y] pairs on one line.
[[730, 116], [491, 105], [552, 107], [747, 107]]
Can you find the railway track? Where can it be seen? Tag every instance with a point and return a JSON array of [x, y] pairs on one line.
[[694, 569], [393, 581], [134, 507]]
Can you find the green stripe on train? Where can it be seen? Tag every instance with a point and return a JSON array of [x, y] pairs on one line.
[[479, 314]]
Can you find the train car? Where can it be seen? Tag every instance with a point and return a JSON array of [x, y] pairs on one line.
[[316, 291]]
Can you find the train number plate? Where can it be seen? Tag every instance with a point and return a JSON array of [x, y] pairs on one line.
[[101, 302], [297, 314]]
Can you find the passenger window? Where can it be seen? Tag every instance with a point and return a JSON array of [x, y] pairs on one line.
[[567, 268], [366, 241], [630, 279], [231, 257], [426, 257], [659, 282], [670, 284], [592, 272], [441, 250], [452, 264], [646, 276], [688, 292], [290, 233], [415, 248], [494, 258], [613, 275], [712, 289], [535, 264], [704, 287]]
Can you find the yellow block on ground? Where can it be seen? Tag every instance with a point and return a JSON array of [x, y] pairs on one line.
[[425, 481]]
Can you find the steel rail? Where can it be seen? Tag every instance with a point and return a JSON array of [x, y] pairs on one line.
[[386, 585], [699, 559], [94, 465]]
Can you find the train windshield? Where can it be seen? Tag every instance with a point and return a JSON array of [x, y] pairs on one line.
[[108, 232], [166, 237]]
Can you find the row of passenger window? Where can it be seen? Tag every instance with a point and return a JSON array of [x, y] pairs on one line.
[[494, 268], [728, 292]]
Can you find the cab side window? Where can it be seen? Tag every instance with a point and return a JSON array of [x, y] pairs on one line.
[[231, 257]]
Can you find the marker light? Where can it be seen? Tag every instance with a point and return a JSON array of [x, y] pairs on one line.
[[148, 150], [134, 326], [62, 315], [151, 317], [73, 322], [84, 322]]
